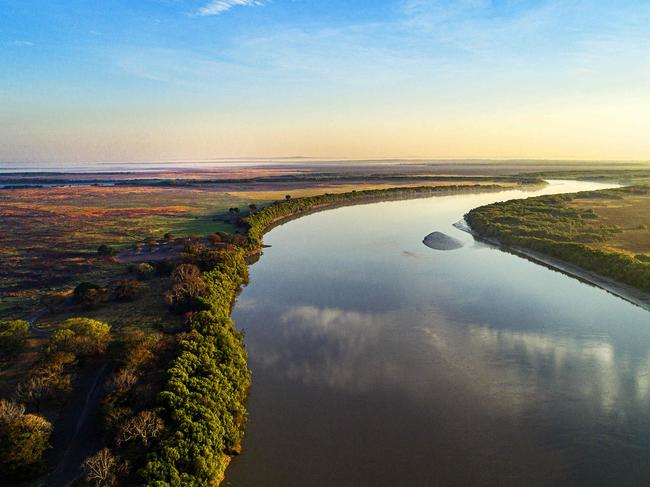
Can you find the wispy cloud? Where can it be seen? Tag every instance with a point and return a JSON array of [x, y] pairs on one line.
[[216, 7], [20, 43]]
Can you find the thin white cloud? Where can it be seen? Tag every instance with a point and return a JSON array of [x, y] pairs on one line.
[[21, 43], [216, 7]]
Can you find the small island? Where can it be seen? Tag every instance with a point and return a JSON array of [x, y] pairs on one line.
[[441, 241]]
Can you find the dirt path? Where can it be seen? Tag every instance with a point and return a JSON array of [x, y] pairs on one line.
[[32, 319], [78, 430]]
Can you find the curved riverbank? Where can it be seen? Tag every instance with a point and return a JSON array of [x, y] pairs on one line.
[[282, 212], [599, 236], [623, 291]]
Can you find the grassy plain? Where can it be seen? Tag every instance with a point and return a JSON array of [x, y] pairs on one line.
[[629, 213], [50, 235]]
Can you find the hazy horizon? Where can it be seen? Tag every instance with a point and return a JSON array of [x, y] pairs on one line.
[[190, 79], [8, 167]]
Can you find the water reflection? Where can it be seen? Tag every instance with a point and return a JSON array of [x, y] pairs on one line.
[[378, 362]]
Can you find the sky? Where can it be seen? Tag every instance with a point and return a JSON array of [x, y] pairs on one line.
[[133, 80]]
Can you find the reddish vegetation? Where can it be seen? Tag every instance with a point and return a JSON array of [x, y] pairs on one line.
[[50, 235]]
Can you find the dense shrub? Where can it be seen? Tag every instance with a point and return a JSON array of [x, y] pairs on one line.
[[106, 250], [89, 294], [81, 336], [13, 335], [23, 439], [103, 469], [126, 289], [49, 380], [187, 289]]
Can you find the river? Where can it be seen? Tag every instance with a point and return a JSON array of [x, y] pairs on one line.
[[377, 361]]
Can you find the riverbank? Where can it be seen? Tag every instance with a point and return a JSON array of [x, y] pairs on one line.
[[603, 236], [623, 291]]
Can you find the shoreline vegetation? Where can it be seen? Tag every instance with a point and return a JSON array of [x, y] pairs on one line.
[[565, 233]]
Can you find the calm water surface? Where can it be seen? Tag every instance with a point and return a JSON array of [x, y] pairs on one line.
[[380, 362]]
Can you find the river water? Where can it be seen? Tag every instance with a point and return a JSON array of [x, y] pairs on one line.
[[377, 361]]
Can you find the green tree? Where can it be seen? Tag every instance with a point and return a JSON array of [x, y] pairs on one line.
[[126, 289], [81, 336], [106, 250], [89, 294], [13, 335], [23, 438]]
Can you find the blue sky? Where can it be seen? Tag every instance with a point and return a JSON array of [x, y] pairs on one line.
[[194, 79]]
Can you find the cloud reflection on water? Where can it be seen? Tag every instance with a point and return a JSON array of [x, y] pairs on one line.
[[509, 370]]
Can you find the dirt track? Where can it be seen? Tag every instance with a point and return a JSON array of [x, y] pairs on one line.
[[78, 430]]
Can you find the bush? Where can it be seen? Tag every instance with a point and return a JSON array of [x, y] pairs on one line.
[[193, 247], [126, 289], [23, 438], [239, 240], [103, 469], [89, 294], [13, 335], [142, 271], [142, 428], [50, 380], [187, 288], [106, 250], [81, 336]]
